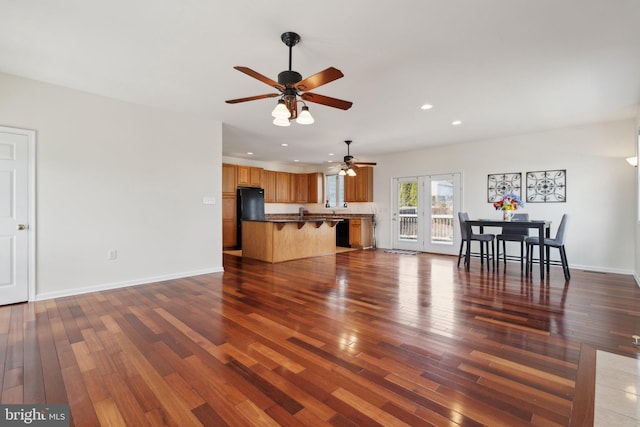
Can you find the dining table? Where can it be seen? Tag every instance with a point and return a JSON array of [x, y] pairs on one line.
[[542, 226]]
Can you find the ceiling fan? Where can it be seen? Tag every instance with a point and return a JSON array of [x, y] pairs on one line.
[[350, 163], [292, 87]]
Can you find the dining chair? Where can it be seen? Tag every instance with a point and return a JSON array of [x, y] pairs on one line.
[[484, 239], [557, 242], [513, 234]]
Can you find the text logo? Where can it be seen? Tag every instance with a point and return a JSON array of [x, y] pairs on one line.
[[34, 415]]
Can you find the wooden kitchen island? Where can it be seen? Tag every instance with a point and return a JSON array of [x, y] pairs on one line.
[[286, 239]]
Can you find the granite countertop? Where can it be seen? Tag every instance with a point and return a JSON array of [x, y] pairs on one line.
[[305, 218], [313, 217]]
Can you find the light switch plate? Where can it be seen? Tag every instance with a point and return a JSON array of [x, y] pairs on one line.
[[208, 200]]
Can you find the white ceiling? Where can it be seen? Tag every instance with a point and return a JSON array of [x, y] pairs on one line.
[[502, 67]]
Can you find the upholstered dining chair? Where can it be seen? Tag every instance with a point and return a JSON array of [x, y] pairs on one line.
[[513, 234], [557, 242], [484, 239]]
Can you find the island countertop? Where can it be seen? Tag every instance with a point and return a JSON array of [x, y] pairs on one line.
[[298, 219], [328, 216]]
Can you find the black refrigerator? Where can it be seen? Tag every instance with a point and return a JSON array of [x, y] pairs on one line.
[[250, 202]]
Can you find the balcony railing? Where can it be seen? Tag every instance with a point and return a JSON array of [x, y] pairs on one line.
[[441, 227]]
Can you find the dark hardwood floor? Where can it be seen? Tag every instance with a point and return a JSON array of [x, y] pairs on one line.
[[360, 338]]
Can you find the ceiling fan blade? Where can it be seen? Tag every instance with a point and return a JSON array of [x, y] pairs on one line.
[[365, 163], [264, 79], [326, 100], [319, 79], [252, 98]]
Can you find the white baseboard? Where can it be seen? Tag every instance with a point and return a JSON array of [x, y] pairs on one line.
[[116, 285], [601, 269]]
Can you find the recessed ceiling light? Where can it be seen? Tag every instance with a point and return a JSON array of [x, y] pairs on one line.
[[296, 160], [331, 154], [456, 122], [250, 153], [426, 106], [284, 144]]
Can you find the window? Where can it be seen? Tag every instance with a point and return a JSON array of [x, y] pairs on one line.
[[334, 190]]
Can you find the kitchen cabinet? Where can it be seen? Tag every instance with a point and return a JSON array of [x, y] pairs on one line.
[[349, 188], [316, 188], [247, 176], [282, 187], [228, 179], [361, 233], [229, 224], [269, 185], [242, 175], [229, 238], [359, 188], [293, 188], [255, 177], [302, 195]]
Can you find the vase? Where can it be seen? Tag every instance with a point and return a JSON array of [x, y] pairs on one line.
[[507, 215]]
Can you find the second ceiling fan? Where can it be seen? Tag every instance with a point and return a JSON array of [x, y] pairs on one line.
[[291, 86], [350, 164]]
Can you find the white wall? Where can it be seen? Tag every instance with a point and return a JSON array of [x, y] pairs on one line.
[[600, 185], [113, 175]]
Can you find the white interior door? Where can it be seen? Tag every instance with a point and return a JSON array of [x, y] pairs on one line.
[[15, 214], [423, 213]]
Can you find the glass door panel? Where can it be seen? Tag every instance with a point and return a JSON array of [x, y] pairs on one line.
[[444, 196], [405, 214]]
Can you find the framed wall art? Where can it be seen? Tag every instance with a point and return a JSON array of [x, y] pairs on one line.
[[500, 184], [547, 186]]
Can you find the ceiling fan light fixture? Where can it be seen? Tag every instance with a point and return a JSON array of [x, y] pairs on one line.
[[293, 88], [342, 172], [281, 110], [351, 172], [281, 121], [305, 117]]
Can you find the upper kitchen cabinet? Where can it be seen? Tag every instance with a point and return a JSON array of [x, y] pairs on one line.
[[248, 176], [269, 185], [255, 175], [279, 187], [282, 187], [302, 193], [316, 187], [228, 179], [293, 188], [359, 188]]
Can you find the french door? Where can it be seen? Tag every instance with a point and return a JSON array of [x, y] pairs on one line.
[[423, 213]]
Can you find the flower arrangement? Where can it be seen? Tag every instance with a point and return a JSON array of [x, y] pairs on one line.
[[509, 202]]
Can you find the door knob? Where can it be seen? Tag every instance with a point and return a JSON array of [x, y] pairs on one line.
[[21, 227]]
